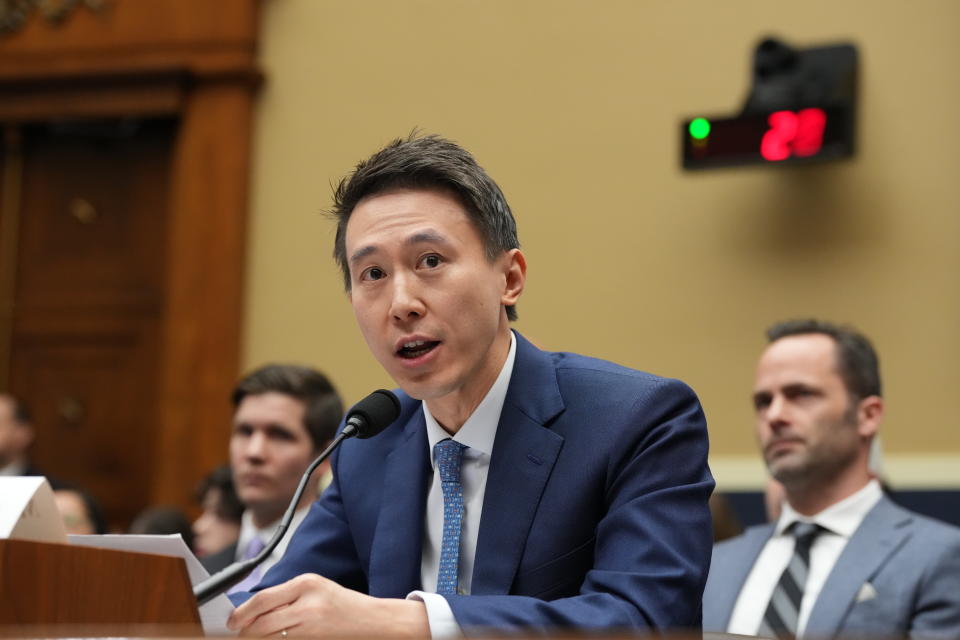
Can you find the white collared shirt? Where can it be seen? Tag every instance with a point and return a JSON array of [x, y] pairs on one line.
[[840, 520], [477, 433], [248, 530]]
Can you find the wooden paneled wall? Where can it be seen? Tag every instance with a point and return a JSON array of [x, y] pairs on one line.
[[123, 204]]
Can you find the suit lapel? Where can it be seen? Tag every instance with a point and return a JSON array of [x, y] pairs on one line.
[[732, 570], [524, 452], [397, 543], [880, 534]]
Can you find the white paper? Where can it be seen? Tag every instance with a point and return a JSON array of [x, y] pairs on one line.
[[214, 614], [28, 510]]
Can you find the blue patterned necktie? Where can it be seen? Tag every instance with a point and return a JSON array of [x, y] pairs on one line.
[[447, 454]]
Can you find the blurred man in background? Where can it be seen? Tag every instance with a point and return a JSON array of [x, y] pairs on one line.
[[81, 513], [842, 559], [218, 526], [162, 521], [284, 416], [16, 434]]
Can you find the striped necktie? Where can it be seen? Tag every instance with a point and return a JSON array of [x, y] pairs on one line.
[[780, 618], [447, 454]]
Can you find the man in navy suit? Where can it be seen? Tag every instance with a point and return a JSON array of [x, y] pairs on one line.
[[519, 489], [864, 567]]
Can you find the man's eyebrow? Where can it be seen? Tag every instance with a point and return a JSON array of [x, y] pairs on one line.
[[793, 387], [362, 252], [426, 236]]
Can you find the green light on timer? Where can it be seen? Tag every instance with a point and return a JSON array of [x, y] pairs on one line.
[[699, 128]]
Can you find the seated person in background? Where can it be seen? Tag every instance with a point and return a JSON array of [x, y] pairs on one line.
[[161, 521], [519, 489], [81, 513], [218, 527], [284, 416], [842, 559], [16, 434], [726, 524], [773, 499]]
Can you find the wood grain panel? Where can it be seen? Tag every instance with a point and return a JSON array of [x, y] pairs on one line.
[[48, 584], [94, 209], [94, 402], [135, 312], [49, 97], [205, 292]]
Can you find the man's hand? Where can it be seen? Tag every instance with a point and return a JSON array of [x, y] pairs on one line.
[[310, 605]]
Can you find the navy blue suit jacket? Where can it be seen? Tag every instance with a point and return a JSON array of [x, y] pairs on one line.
[[595, 513]]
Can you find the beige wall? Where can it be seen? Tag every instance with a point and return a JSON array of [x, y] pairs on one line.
[[573, 107]]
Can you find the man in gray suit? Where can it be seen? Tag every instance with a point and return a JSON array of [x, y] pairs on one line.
[[842, 560]]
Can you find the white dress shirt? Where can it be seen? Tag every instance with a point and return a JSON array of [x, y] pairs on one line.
[[477, 433], [840, 521], [248, 530]]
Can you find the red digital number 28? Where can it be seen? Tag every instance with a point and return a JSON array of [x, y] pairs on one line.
[[797, 134]]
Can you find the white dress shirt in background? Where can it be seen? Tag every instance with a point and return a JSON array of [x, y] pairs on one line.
[[248, 530]]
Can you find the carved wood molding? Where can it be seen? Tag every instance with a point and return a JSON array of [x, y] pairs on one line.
[[193, 63], [14, 13]]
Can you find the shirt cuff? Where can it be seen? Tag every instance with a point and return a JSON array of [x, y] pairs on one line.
[[439, 615]]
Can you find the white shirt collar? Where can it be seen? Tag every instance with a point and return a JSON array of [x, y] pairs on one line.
[[480, 429], [841, 518], [248, 530]]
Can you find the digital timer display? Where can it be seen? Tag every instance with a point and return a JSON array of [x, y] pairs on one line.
[[774, 137]]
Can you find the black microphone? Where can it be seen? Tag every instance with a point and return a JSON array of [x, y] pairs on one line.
[[372, 415], [366, 419]]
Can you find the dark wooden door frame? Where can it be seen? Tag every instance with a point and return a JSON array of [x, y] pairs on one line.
[[210, 88]]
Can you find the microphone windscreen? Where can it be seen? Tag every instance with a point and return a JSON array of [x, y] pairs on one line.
[[375, 412]]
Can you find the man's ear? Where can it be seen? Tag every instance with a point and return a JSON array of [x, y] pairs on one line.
[[515, 270], [869, 415]]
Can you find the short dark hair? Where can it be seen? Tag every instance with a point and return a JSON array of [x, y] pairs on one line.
[[21, 412], [428, 162], [857, 360], [322, 406], [90, 505], [161, 521], [228, 505]]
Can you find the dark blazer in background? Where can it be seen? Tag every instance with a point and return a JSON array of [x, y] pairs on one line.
[[595, 513], [219, 560], [898, 575]]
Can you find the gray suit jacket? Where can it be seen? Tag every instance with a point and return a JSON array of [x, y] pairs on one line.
[[911, 564]]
